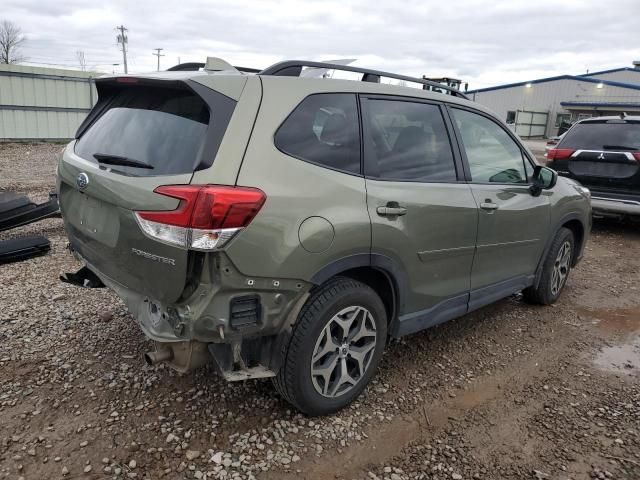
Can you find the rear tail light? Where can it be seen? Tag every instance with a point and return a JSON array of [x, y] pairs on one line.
[[207, 217], [636, 155], [559, 153]]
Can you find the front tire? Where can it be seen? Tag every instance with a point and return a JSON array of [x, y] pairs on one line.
[[335, 347], [555, 270]]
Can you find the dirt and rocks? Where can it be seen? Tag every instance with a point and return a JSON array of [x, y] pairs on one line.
[[512, 391]]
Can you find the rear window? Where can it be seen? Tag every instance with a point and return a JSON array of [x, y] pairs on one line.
[[612, 135], [163, 128]]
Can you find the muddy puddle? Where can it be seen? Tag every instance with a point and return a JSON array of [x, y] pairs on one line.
[[625, 357], [615, 320], [620, 358]]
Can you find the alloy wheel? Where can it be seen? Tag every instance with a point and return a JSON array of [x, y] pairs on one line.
[[561, 268], [343, 351]]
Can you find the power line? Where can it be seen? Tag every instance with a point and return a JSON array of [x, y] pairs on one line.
[[123, 40], [158, 54]]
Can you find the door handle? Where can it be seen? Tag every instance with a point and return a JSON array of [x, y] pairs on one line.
[[392, 209], [489, 205]]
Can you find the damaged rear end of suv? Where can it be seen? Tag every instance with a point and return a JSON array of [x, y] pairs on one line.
[[149, 199]]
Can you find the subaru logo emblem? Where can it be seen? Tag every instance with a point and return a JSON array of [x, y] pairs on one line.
[[601, 156], [82, 181]]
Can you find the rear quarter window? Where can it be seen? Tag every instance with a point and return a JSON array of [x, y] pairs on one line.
[[164, 128], [323, 129]]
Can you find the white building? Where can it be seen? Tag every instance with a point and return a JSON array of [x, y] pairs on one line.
[[43, 103], [537, 108]]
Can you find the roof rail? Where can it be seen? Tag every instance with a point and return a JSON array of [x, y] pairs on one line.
[[293, 68]]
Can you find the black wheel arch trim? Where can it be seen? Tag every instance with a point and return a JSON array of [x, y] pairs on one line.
[[392, 269], [556, 227]]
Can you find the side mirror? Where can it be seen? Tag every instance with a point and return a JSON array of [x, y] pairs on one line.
[[544, 178]]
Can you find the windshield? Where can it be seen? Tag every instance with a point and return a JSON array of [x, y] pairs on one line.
[[611, 135], [162, 128]]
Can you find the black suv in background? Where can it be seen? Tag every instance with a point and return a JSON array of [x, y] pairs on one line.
[[603, 154]]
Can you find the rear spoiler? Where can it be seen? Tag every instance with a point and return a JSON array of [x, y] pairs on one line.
[[107, 86], [195, 66]]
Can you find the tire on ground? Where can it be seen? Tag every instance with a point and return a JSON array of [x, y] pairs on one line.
[[542, 293], [294, 380]]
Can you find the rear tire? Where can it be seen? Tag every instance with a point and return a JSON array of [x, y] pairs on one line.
[[335, 347], [555, 270]]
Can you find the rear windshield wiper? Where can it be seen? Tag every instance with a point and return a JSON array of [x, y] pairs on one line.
[[117, 160], [618, 147]]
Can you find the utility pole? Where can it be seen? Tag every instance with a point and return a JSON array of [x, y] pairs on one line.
[[158, 54], [123, 40], [81, 60]]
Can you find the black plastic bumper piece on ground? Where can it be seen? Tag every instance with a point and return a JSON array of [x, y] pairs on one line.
[[17, 210], [18, 249], [82, 278]]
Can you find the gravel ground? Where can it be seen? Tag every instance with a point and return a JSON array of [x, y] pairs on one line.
[[511, 391]]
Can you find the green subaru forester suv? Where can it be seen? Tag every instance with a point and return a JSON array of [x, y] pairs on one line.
[[283, 225]]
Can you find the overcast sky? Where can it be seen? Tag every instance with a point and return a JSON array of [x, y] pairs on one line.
[[483, 42]]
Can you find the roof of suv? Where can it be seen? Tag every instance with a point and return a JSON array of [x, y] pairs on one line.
[[634, 118], [290, 70]]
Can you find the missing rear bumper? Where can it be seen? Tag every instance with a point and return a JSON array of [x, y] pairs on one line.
[[236, 362], [244, 360], [181, 356]]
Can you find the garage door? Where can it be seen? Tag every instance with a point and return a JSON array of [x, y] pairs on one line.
[[531, 124]]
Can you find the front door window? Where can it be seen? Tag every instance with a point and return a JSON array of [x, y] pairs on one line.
[[492, 154]]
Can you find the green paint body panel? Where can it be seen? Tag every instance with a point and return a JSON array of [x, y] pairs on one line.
[[101, 226], [228, 85], [226, 165], [510, 239], [314, 219], [316, 234], [434, 241]]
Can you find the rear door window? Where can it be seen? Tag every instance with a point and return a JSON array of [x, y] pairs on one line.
[[408, 142], [606, 135], [162, 128], [323, 130]]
